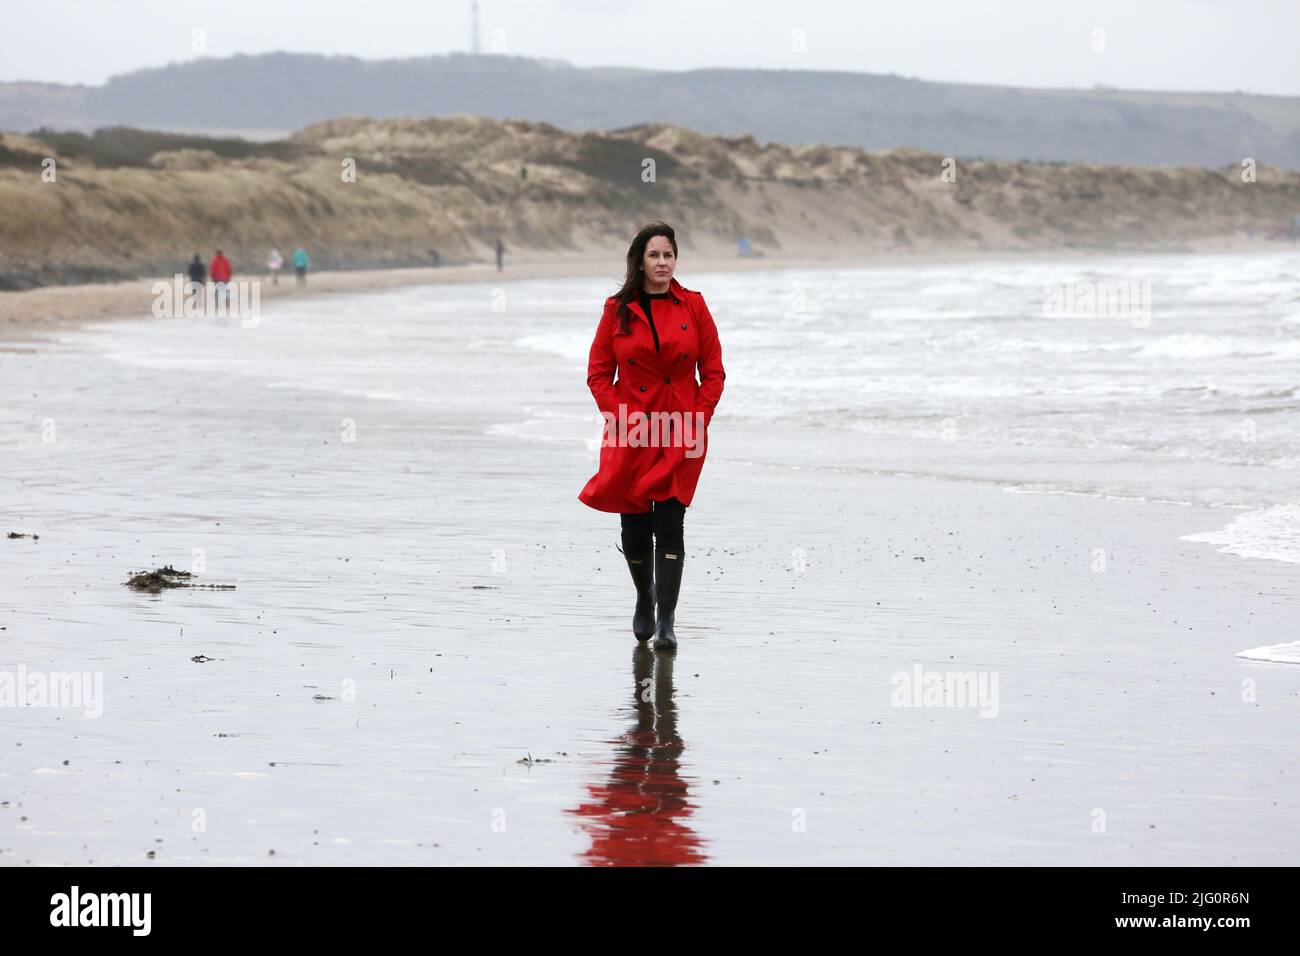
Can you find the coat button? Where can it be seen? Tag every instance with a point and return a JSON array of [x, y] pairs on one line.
[[631, 361], [683, 325], [666, 381], [643, 388]]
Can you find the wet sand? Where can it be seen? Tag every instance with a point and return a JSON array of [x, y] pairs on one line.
[[428, 659]]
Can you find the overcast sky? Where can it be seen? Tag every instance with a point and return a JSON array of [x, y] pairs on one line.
[[1142, 44]]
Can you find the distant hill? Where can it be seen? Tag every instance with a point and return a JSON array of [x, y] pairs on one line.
[[128, 203], [280, 92]]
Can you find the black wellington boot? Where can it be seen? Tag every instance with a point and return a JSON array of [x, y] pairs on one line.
[[668, 581], [643, 620]]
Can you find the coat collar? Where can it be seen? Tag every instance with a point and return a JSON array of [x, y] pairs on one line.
[[675, 287], [677, 290]]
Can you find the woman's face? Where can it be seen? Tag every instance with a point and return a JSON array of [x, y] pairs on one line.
[[658, 262]]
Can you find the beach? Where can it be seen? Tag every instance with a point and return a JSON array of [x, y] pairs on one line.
[[426, 656]]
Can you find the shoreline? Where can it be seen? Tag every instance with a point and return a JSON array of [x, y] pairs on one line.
[[27, 333], [29, 316]]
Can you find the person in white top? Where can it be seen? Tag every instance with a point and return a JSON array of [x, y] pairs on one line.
[[274, 263]]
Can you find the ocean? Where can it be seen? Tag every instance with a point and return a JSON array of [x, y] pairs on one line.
[[1167, 378]]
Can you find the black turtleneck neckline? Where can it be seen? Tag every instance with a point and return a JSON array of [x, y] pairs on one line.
[[645, 307]]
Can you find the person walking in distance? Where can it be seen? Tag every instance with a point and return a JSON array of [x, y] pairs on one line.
[[274, 263], [300, 263], [195, 288], [501, 252], [197, 271], [221, 271], [652, 338]]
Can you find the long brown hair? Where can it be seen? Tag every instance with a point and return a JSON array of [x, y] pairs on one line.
[[632, 282]]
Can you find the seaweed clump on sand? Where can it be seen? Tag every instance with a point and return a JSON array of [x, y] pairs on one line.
[[168, 577], [155, 581]]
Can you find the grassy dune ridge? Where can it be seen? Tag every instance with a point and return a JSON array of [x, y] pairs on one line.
[[130, 203]]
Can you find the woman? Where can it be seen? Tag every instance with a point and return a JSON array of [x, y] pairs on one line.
[[274, 263], [300, 262], [653, 334]]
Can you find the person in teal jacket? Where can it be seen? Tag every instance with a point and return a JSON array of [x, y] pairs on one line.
[[300, 261]]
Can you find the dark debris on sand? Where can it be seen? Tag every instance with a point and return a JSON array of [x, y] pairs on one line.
[[155, 581], [530, 760], [168, 577]]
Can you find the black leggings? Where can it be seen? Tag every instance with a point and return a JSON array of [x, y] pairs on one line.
[[664, 521]]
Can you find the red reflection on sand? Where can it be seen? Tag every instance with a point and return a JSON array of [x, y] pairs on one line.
[[638, 817]]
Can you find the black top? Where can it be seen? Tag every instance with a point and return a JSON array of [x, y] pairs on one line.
[[645, 307]]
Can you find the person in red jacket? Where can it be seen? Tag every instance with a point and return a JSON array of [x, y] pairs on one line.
[[654, 335], [221, 271]]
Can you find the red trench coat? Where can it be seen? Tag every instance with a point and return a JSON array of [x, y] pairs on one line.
[[633, 474]]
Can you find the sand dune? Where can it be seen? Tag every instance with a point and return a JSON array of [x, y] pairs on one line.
[[455, 185]]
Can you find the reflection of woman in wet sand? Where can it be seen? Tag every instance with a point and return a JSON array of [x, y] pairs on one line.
[[638, 817]]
